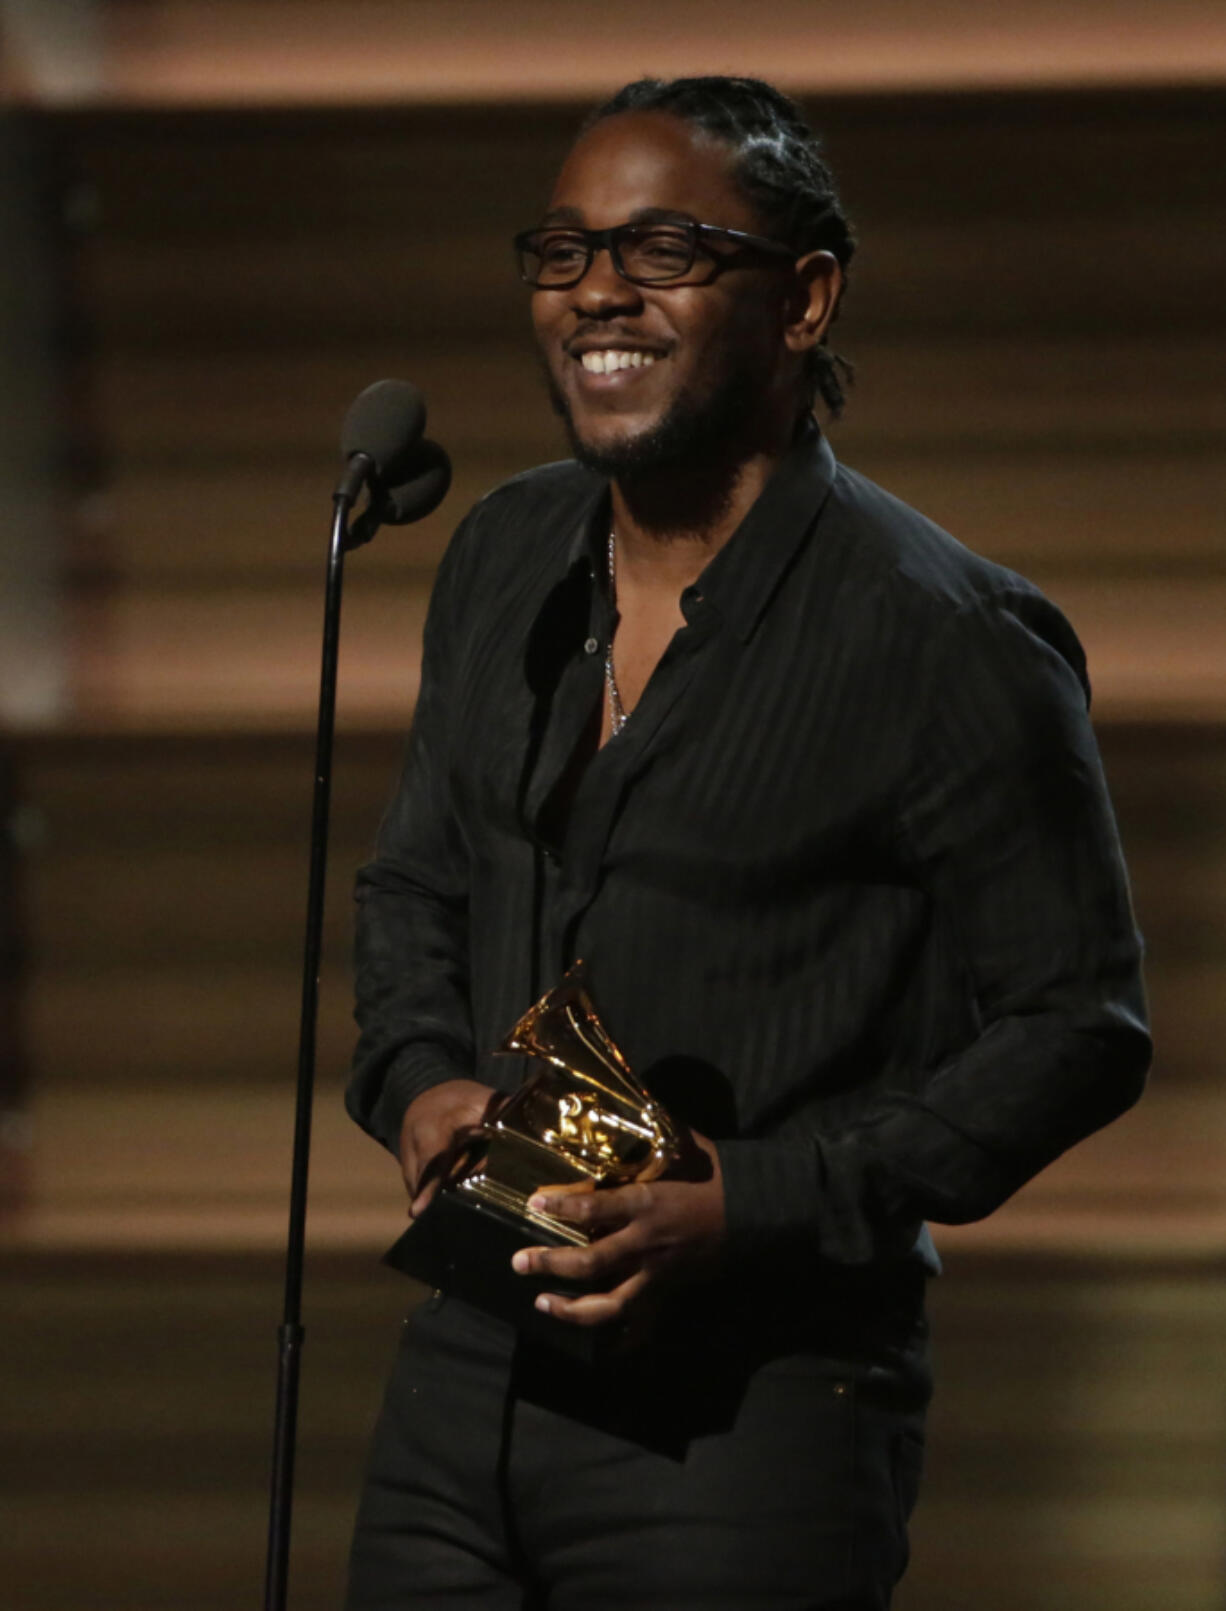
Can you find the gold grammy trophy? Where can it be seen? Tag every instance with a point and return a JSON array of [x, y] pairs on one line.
[[579, 1119]]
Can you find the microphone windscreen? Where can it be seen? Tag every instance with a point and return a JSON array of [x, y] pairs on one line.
[[425, 486], [385, 422]]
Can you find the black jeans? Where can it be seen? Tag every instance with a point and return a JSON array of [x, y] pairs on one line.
[[509, 1479]]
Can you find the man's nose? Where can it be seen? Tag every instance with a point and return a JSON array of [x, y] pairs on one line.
[[602, 288]]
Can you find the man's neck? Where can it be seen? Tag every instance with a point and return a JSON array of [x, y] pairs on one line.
[[669, 525]]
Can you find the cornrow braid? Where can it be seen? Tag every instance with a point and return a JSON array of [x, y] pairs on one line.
[[780, 170]]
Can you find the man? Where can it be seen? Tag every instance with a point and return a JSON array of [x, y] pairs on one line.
[[812, 791]]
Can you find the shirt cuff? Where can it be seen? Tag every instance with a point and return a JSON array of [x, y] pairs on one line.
[[416, 1070], [801, 1199], [771, 1196]]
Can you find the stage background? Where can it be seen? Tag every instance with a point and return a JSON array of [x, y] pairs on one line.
[[222, 221]]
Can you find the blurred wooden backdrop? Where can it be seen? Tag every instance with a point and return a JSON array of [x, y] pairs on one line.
[[1037, 320]]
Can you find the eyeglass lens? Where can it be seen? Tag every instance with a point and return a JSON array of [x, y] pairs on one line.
[[651, 254]]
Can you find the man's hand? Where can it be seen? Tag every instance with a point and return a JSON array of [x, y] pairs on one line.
[[644, 1236], [436, 1124]]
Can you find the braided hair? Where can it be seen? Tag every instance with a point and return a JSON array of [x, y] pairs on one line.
[[780, 170]]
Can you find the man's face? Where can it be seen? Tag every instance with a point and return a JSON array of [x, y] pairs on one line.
[[710, 357]]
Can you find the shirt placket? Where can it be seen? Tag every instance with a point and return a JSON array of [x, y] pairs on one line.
[[606, 789]]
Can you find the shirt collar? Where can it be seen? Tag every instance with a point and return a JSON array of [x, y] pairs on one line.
[[742, 578]]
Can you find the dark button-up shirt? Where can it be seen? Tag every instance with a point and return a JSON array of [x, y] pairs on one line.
[[847, 883]]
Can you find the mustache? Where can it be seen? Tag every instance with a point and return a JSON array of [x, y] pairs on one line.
[[610, 335]]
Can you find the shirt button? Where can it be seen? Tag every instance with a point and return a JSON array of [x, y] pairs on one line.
[[591, 646]]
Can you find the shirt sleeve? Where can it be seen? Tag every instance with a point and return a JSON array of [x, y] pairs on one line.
[[411, 941], [1005, 822]]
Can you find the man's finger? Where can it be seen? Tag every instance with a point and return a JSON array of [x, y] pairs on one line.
[[594, 1308], [447, 1160], [580, 1263], [594, 1210], [424, 1198]]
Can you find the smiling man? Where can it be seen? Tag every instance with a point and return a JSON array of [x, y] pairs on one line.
[[812, 791]]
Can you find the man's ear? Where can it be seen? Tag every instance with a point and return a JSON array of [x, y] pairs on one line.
[[815, 295]]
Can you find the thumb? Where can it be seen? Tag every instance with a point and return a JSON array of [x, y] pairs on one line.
[[423, 1199]]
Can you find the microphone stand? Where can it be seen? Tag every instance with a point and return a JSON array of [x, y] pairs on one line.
[[290, 1334]]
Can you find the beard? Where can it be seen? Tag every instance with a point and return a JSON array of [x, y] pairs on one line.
[[694, 432]]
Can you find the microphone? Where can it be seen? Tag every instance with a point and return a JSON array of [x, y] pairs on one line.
[[426, 484], [408, 475], [384, 449], [383, 426]]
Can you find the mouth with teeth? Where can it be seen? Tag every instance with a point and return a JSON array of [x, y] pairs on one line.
[[607, 361]]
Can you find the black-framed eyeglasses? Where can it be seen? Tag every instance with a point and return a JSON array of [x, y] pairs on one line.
[[556, 257]]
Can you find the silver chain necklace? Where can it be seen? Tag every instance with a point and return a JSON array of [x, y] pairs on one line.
[[617, 711]]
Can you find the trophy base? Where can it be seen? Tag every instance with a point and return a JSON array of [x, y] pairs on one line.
[[463, 1245]]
